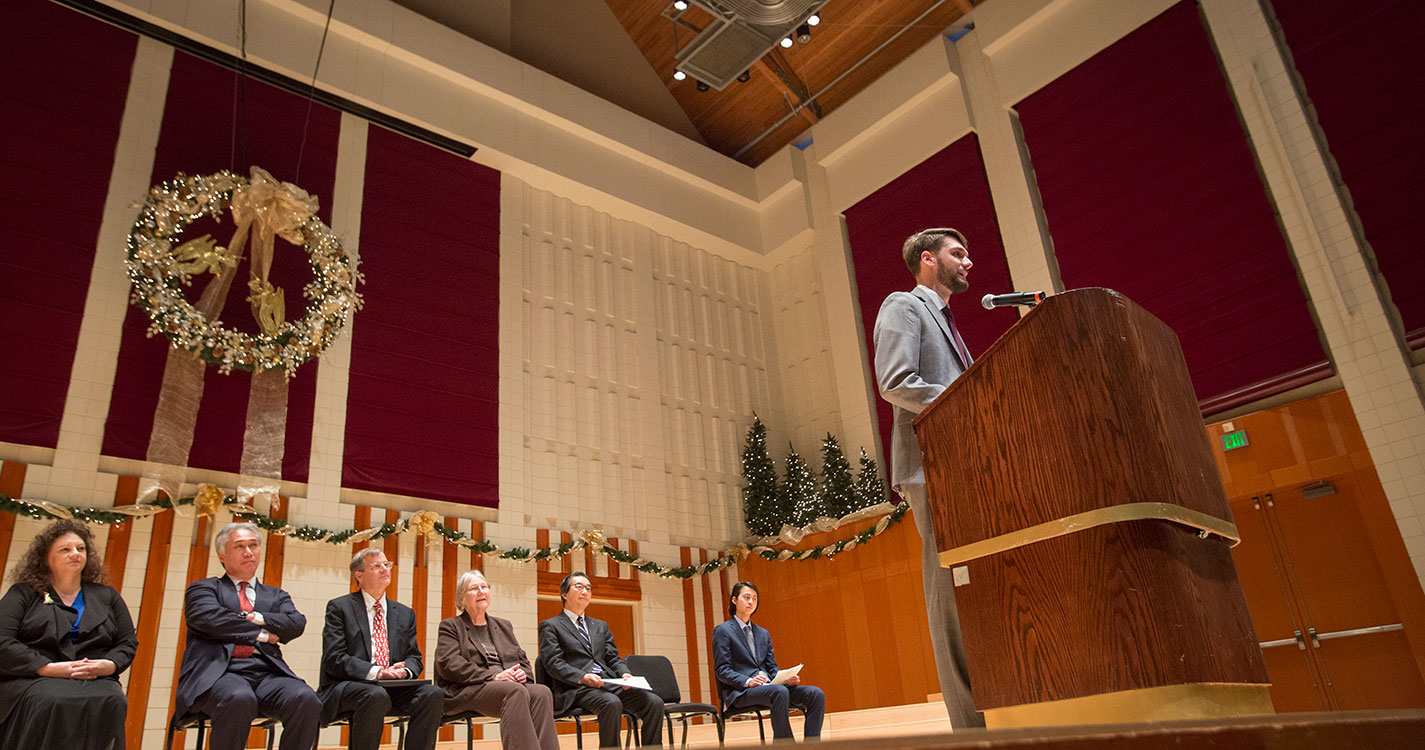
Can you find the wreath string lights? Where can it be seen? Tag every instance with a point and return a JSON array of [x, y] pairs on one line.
[[263, 209]]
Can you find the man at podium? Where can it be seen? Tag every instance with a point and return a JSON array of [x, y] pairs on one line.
[[919, 352]]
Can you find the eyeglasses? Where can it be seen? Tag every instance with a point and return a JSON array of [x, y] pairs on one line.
[[477, 587], [582, 587], [380, 566]]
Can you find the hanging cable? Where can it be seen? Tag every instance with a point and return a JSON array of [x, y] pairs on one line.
[[312, 91]]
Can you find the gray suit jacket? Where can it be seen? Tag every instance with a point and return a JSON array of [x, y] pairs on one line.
[[915, 361]]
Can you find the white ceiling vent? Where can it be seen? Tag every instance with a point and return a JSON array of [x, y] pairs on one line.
[[742, 31]]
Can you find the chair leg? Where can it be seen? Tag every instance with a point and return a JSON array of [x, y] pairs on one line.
[[202, 729], [721, 729], [469, 733], [761, 730], [669, 721], [578, 733], [271, 735]]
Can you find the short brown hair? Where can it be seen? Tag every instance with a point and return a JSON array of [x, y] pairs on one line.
[[33, 569], [927, 240]]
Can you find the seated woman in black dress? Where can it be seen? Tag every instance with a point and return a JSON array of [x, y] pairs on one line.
[[64, 639]]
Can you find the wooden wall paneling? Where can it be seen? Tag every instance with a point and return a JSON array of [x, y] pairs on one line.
[[541, 540], [420, 589], [589, 561], [615, 589], [116, 548], [477, 560], [391, 545], [567, 562], [12, 483], [273, 561], [449, 574], [695, 678], [198, 552], [360, 519], [613, 564], [709, 621], [150, 610]]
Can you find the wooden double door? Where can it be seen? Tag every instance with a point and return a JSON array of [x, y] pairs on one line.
[[1328, 622]]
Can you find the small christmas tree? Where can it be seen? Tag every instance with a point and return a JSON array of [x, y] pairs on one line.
[[870, 490], [800, 499], [838, 487], [760, 496]]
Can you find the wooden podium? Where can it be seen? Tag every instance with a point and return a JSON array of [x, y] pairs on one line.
[[1074, 494]]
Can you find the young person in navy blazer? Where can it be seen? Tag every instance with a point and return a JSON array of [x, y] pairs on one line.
[[233, 669], [745, 665]]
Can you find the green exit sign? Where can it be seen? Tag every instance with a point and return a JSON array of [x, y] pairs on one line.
[[1234, 440]]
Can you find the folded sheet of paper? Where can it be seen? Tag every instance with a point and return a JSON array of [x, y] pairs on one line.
[[786, 674], [634, 681]]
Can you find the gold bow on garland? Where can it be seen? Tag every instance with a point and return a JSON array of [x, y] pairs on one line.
[[263, 209]]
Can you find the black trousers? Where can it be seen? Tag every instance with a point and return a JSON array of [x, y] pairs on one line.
[[368, 704], [252, 688], [608, 706]]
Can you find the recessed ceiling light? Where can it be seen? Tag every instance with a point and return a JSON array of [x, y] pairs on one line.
[[679, 75]]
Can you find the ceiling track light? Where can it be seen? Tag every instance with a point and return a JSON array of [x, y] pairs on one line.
[[679, 75], [804, 33], [703, 86], [744, 76], [813, 19], [787, 43], [680, 5]]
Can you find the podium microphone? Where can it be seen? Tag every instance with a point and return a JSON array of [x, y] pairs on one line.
[[1028, 299]]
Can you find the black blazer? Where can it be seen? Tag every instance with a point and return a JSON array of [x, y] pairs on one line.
[[566, 658], [346, 640], [33, 634], [733, 664], [215, 625]]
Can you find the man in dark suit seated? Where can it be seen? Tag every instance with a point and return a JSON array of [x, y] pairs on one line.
[[232, 664], [367, 638], [745, 666], [577, 653]]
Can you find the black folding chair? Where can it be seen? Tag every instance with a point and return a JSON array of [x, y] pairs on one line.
[[659, 673], [578, 715], [395, 721], [200, 720], [731, 714], [469, 719]]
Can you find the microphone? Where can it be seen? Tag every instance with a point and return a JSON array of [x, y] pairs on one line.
[[1028, 299]]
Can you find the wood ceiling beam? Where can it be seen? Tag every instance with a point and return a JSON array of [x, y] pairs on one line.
[[775, 64]]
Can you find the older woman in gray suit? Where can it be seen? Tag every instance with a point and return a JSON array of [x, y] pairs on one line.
[[481, 667]]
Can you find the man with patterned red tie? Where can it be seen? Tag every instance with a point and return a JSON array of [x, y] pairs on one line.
[[233, 669], [369, 639]]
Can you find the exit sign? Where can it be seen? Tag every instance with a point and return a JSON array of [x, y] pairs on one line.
[[1234, 440]]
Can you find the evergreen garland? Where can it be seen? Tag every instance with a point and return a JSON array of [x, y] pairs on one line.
[[838, 487], [759, 497]]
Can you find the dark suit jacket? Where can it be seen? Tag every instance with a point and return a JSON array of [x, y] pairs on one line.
[[733, 664], [460, 658], [215, 625], [33, 634], [346, 640], [566, 658]]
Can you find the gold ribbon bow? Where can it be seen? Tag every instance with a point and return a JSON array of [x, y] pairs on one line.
[[592, 537], [266, 208], [209, 500], [423, 522]]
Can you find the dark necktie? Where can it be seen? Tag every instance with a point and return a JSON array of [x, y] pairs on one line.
[[751, 644], [584, 633], [242, 650], [955, 336]]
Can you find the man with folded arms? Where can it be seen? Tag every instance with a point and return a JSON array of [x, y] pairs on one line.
[[368, 638], [233, 669], [578, 652]]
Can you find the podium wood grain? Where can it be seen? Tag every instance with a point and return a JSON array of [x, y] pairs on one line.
[[1083, 405]]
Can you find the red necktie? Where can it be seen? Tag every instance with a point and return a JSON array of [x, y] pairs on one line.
[[960, 347], [381, 643], [242, 650]]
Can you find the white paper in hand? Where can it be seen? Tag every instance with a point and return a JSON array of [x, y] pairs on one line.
[[786, 674], [635, 681]]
